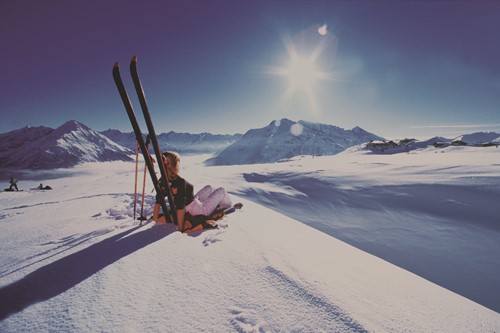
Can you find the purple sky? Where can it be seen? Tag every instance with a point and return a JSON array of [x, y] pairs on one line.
[[415, 68]]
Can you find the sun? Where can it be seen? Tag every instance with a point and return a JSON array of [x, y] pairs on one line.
[[302, 70], [302, 73]]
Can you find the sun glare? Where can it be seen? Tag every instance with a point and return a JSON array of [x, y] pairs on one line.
[[302, 73], [303, 76], [302, 69]]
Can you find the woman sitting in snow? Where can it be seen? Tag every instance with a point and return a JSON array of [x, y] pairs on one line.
[[190, 207]]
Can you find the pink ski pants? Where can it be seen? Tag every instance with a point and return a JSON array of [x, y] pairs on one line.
[[207, 199]]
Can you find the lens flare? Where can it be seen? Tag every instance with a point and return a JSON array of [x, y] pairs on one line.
[[323, 30], [302, 68], [296, 129]]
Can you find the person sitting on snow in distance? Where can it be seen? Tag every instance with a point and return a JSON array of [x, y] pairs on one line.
[[13, 184]]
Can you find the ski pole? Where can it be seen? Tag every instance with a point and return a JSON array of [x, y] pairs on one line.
[[142, 217], [136, 171], [143, 191]]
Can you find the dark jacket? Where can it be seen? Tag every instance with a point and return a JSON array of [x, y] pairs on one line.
[[182, 192]]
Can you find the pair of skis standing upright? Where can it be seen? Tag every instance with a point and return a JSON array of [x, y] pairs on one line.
[[161, 185]]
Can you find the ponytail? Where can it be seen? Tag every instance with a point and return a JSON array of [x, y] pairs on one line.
[[174, 160]]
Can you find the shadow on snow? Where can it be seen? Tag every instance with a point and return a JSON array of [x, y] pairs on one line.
[[57, 277]]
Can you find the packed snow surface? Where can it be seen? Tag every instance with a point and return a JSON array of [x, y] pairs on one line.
[[74, 259]]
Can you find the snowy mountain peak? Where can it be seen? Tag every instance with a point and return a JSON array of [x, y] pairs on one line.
[[284, 139], [72, 125], [358, 130], [284, 122], [66, 146]]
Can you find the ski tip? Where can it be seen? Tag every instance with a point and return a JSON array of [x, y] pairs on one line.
[[117, 65], [134, 59]]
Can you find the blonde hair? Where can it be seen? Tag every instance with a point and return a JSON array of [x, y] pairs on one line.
[[174, 161]]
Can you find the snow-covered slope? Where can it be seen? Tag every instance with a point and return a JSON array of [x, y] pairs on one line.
[[285, 139], [430, 211], [68, 145], [73, 259]]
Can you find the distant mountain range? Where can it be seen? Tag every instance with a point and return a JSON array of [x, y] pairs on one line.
[[478, 139], [47, 148], [72, 143], [284, 139], [183, 143]]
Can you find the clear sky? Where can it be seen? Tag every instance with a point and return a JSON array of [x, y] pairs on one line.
[[395, 68]]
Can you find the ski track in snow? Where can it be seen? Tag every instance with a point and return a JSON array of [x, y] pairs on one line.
[[288, 305], [122, 209], [299, 297], [55, 248], [111, 195]]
